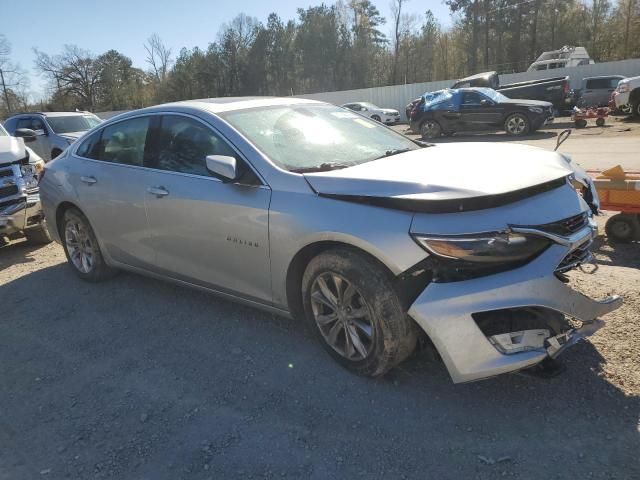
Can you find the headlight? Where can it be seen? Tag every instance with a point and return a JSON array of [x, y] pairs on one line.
[[31, 173], [485, 247], [535, 109], [623, 88]]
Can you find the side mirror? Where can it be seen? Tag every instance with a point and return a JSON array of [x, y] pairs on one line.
[[222, 166], [485, 103], [26, 134]]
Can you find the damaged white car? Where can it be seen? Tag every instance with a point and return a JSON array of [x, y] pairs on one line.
[[308, 210]]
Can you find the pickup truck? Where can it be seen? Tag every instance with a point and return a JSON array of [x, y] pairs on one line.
[[554, 90], [20, 209], [627, 96]]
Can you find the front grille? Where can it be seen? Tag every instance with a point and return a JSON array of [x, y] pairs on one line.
[[8, 191], [575, 258], [6, 172], [567, 226]]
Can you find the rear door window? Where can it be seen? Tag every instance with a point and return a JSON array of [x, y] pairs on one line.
[[598, 83]]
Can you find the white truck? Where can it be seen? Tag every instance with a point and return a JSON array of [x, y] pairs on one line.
[[20, 209], [627, 96]]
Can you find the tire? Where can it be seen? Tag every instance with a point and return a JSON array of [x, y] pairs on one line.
[[38, 235], [635, 109], [517, 125], [580, 123], [82, 249], [430, 129], [622, 228], [376, 118], [368, 331], [55, 152], [600, 122]]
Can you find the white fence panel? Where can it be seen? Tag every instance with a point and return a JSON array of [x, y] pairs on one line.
[[398, 96]]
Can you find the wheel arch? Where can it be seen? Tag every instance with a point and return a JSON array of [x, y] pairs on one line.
[[60, 210], [301, 259]]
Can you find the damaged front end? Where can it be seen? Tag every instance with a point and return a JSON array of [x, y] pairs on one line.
[[490, 315]]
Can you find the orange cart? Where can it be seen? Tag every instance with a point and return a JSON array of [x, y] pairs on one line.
[[619, 191]]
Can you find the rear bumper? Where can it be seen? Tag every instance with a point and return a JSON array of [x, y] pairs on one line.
[[26, 212], [444, 311]]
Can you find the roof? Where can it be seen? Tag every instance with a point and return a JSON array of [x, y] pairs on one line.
[[227, 104], [50, 114]]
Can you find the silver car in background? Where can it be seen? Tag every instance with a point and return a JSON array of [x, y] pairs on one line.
[[388, 116], [51, 132], [314, 212]]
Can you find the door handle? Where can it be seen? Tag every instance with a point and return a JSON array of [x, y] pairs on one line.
[[158, 191], [89, 180]]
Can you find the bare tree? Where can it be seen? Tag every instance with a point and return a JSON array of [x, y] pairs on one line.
[[158, 56], [12, 78], [74, 72], [396, 10]]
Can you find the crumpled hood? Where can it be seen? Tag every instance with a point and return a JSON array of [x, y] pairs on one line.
[[12, 149], [446, 172]]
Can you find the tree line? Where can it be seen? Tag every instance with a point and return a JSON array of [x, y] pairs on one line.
[[342, 46]]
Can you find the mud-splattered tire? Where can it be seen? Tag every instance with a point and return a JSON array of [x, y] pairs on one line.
[[82, 249], [352, 307]]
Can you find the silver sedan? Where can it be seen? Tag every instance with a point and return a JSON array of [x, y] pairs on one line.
[[312, 211]]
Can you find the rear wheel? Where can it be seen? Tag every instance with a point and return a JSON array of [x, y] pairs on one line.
[[517, 124], [622, 228], [600, 122], [351, 305], [580, 123], [430, 129], [82, 249]]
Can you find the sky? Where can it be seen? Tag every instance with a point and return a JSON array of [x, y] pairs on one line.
[[124, 25]]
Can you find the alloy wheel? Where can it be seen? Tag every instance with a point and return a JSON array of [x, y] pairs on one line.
[[516, 125], [81, 249], [430, 129], [342, 316]]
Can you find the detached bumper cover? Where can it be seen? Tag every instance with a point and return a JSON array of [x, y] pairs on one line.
[[444, 311]]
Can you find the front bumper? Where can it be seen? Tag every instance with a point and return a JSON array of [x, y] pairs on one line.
[[20, 215], [444, 311], [621, 99], [391, 119]]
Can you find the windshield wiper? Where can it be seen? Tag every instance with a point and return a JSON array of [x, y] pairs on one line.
[[396, 151], [323, 167]]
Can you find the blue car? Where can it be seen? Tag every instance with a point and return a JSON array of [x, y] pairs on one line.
[[449, 111]]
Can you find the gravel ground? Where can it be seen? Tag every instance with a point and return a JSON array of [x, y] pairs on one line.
[[139, 379]]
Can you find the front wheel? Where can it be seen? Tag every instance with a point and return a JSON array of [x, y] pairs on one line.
[[82, 249], [635, 109], [376, 118], [351, 305], [430, 129], [517, 124]]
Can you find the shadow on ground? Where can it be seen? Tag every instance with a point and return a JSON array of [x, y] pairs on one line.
[[136, 378]]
